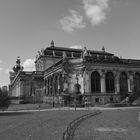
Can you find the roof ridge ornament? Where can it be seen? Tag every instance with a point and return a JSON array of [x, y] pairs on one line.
[[103, 49], [52, 43], [17, 67]]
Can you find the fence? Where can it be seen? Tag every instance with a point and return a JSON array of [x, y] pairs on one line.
[[70, 129]]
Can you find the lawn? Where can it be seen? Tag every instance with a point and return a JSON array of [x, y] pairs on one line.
[[111, 125], [16, 107], [48, 125]]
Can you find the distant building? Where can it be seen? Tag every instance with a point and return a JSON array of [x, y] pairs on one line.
[[64, 75]]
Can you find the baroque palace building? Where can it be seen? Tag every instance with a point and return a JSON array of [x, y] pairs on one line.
[[65, 75]]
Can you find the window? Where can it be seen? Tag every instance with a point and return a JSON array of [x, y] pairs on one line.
[[123, 82], [76, 54], [96, 100], [95, 82], [110, 82], [68, 54], [136, 82], [49, 52], [58, 53]]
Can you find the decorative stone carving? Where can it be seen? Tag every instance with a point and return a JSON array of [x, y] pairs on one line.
[[39, 53], [64, 55], [103, 49], [42, 51], [36, 57], [85, 52]]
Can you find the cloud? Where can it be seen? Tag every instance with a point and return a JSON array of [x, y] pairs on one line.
[[7, 71], [1, 61], [73, 21], [96, 10], [76, 47], [1, 69], [29, 65]]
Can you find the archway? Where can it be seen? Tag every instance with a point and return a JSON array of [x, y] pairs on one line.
[[123, 84], [110, 88], [95, 82], [136, 82]]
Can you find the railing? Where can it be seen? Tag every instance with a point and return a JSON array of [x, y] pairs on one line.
[[134, 96], [70, 129], [110, 59]]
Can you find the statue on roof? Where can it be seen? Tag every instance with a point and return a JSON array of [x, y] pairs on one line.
[[103, 49], [64, 55], [42, 51], [85, 52], [39, 53], [36, 57]]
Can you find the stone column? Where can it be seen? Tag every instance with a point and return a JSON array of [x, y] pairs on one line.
[[19, 88], [45, 86], [53, 53], [103, 87], [129, 89], [72, 54], [130, 82], [65, 82], [84, 81], [53, 85], [58, 86], [87, 82], [117, 83]]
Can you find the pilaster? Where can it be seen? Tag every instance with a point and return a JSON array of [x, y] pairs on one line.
[[117, 83], [130, 82], [103, 87]]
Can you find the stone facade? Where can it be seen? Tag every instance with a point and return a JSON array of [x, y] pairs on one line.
[[66, 74], [115, 81]]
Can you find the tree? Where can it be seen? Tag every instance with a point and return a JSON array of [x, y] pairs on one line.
[[4, 99]]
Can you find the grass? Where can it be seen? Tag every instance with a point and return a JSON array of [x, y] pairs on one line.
[[111, 125], [48, 125], [16, 107]]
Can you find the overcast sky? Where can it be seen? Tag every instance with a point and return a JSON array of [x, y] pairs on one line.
[[26, 26]]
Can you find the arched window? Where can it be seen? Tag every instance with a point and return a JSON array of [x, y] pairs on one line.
[[136, 82], [95, 82], [110, 82], [123, 83]]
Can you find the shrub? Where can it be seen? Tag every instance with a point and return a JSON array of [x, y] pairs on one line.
[[4, 99]]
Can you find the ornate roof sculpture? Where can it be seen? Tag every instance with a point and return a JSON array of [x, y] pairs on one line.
[[52, 43], [17, 67], [103, 49], [85, 52]]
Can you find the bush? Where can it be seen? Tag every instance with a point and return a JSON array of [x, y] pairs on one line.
[[4, 99]]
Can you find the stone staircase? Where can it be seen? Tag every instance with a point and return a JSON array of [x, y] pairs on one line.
[[133, 98]]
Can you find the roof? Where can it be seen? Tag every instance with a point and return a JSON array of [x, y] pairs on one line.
[[76, 50]]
